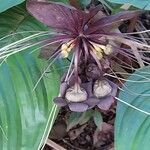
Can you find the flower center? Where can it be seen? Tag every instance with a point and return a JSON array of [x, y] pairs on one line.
[[101, 88], [76, 94]]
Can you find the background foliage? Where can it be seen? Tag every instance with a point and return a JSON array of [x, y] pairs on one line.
[[132, 127], [25, 114], [142, 4], [5, 4]]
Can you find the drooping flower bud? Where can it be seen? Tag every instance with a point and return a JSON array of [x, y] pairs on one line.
[[99, 55], [101, 88], [76, 94], [64, 54], [66, 48], [92, 71]]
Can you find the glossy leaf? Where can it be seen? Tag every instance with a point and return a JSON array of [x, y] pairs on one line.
[[98, 120], [24, 113], [26, 116], [132, 130], [142, 4], [5, 4], [73, 120], [86, 116], [18, 20], [76, 118], [84, 3], [109, 5], [63, 1]]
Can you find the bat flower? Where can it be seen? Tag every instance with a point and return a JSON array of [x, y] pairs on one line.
[[87, 37], [92, 89], [85, 96]]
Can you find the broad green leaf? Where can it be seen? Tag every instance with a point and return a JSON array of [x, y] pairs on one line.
[[5, 4], [73, 120], [109, 5], [18, 20], [63, 1], [26, 116], [76, 118], [117, 7], [86, 116], [132, 130], [84, 3], [142, 4], [24, 113], [98, 120]]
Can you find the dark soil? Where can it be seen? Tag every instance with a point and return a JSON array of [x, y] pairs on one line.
[[85, 137], [145, 17]]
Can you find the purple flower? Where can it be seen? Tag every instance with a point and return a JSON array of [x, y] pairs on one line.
[[101, 93], [91, 39], [91, 90]]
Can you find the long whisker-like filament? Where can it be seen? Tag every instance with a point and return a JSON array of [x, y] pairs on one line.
[[142, 51], [22, 40], [134, 46], [68, 72], [145, 81], [85, 50], [138, 39], [4, 60], [48, 44], [46, 69], [139, 32], [76, 62], [129, 56], [138, 75], [6, 54], [21, 33], [126, 67], [3, 132], [71, 74], [59, 69], [134, 107], [128, 42], [51, 41], [126, 64], [134, 69], [95, 58], [128, 90], [133, 58]]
